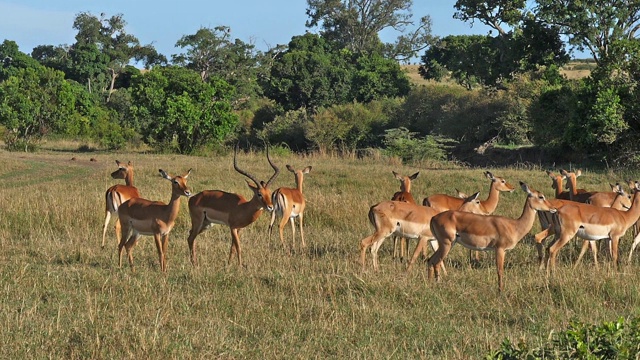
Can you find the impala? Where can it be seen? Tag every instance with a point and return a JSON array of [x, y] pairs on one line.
[[289, 203], [117, 194], [602, 199], [484, 233], [403, 219], [144, 217], [592, 223], [442, 202], [233, 210], [403, 195], [574, 193]]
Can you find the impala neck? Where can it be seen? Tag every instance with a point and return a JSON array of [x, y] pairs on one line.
[[558, 182], [173, 207], [299, 180], [526, 220], [633, 214], [492, 200], [571, 181], [128, 178]]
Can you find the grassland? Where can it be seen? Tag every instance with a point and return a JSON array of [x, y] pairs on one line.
[[65, 297]]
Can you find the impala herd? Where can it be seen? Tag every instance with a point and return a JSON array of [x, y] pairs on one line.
[[441, 220]]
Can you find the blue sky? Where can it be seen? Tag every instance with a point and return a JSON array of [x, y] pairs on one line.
[[264, 23]]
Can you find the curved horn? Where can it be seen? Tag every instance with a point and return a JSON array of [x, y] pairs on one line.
[[275, 168], [235, 166]]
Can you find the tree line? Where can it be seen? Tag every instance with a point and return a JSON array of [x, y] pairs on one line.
[[339, 87]]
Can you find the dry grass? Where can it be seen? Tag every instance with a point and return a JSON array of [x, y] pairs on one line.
[[572, 71], [64, 297]]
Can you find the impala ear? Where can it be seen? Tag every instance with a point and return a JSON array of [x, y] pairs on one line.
[[290, 168], [164, 174], [578, 173], [551, 175], [474, 196], [525, 188], [187, 174], [396, 175], [488, 174], [414, 176], [306, 170]]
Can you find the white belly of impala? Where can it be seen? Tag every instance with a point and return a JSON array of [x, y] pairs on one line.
[[409, 230], [593, 232]]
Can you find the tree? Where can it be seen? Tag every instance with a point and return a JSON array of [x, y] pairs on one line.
[[594, 25], [308, 75], [34, 102], [12, 60], [174, 108], [311, 74], [212, 53], [356, 25], [522, 44]]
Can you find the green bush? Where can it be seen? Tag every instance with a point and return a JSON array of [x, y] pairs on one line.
[[402, 143], [611, 340]]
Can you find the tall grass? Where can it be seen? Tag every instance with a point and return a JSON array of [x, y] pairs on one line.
[[65, 297]]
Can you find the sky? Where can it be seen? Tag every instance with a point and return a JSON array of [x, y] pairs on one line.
[[162, 23]]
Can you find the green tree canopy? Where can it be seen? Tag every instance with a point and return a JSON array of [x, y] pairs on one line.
[[176, 110]]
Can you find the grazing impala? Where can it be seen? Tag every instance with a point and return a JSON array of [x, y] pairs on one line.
[[144, 217], [403, 195], [117, 194], [406, 220], [592, 223], [442, 202], [289, 203], [484, 233], [233, 210]]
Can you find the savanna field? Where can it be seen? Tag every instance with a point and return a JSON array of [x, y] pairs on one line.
[[63, 296]]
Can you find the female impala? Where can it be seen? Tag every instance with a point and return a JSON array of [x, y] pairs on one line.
[[407, 220], [117, 194], [144, 217], [289, 203], [484, 233], [403, 195], [233, 210], [442, 202], [592, 223]]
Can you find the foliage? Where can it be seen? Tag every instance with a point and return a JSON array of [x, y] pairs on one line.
[[402, 143], [312, 74], [610, 340], [212, 53], [356, 25], [175, 110], [287, 128], [35, 102]]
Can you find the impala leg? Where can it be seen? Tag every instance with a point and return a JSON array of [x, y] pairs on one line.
[[365, 244], [271, 222], [404, 249], [301, 231], [500, 267], [107, 217], [416, 253], [636, 241], [437, 259], [165, 247], [614, 251], [594, 250], [293, 234], [197, 220], [583, 250], [158, 240], [283, 223], [124, 236], [235, 246], [435, 247], [129, 247], [552, 251]]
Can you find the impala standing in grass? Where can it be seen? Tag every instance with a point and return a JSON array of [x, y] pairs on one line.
[[403, 195], [289, 203], [233, 210], [117, 194], [484, 232], [144, 217]]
